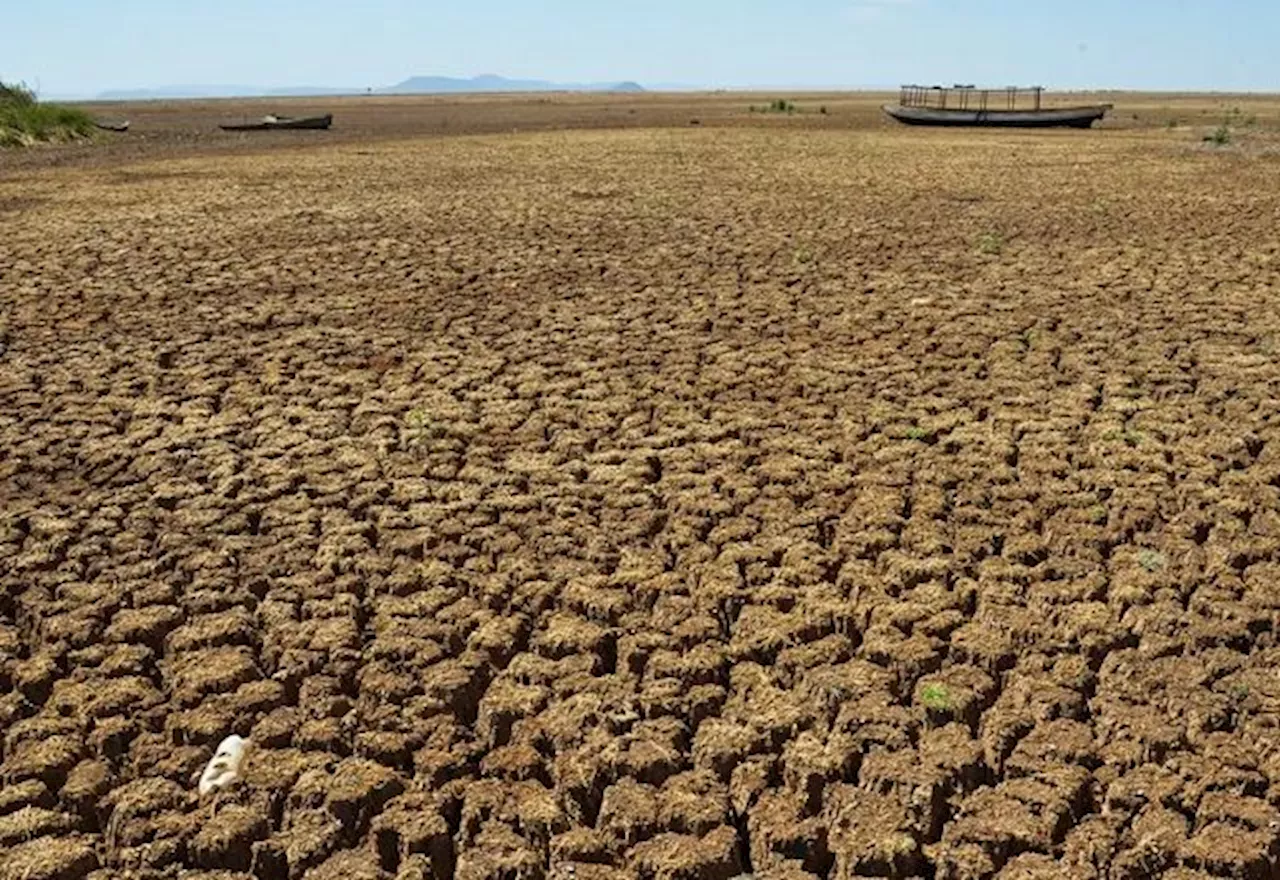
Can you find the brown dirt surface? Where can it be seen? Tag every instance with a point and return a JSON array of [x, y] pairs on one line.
[[551, 488]]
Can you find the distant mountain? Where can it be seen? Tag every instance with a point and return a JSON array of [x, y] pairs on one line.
[[418, 85], [442, 85]]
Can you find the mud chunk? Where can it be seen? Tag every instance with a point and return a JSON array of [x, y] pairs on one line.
[[435, 767], [959, 694], [48, 760], [350, 865], [1153, 843], [34, 677], [1091, 845], [809, 764], [133, 803], [1226, 849], [954, 751], [583, 846], [1032, 866], [1060, 741], [49, 859], [504, 703], [275, 729], [720, 745], [311, 836], [713, 856], [228, 628], [412, 824], [148, 626], [871, 834], [693, 803], [111, 737], [32, 822], [780, 833], [629, 811], [28, 793], [87, 782], [498, 852], [921, 787], [458, 685], [154, 754], [390, 748], [984, 646], [515, 763], [567, 635], [215, 671], [705, 664], [226, 841], [1021, 815], [358, 791]]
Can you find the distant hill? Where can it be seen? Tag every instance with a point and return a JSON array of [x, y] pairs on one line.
[[417, 85], [440, 85]]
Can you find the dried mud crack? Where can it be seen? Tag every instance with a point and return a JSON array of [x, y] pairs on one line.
[[665, 505]]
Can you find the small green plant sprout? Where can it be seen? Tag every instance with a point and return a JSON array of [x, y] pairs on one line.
[[803, 255], [991, 244], [915, 432], [1133, 438], [902, 845], [1152, 560], [418, 430], [935, 697], [1098, 515]]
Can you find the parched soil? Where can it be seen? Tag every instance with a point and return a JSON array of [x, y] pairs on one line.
[[665, 503]]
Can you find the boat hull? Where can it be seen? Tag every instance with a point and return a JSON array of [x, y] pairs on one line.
[[1061, 117], [311, 123]]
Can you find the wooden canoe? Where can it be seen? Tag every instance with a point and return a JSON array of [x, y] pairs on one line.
[[276, 123], [1055, 117], [112, 126]]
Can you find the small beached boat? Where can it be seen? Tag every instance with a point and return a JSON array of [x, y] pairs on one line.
[[273, 123], [111, 126], [970, 106]]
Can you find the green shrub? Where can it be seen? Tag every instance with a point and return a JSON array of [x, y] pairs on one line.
[[25, 120], [16, 93], [778, 105], [1220, 136]]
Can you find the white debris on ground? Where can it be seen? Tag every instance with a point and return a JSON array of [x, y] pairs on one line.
[[224, 768]]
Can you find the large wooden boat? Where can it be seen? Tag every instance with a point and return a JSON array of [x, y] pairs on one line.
[[970, 106], [274, 123]]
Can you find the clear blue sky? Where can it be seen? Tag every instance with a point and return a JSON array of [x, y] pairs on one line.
[[86, 46]]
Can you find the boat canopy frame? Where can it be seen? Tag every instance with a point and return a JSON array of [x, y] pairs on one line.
[[968, 97]]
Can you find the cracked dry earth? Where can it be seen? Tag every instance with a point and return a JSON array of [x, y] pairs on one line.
[[663, 505]]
